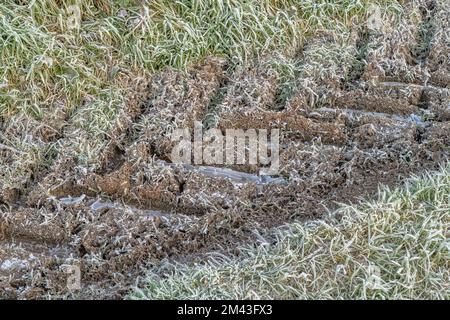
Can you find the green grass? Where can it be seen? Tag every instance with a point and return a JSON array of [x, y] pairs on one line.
[[394, 248]]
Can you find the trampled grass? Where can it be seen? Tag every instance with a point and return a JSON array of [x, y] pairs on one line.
[[394, 248]]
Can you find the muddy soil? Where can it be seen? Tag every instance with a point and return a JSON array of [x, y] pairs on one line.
[[378, 120]]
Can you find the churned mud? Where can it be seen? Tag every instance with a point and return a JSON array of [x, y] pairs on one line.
[[377, 118]]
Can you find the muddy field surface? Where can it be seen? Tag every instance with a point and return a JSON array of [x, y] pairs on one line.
[[377, 120]]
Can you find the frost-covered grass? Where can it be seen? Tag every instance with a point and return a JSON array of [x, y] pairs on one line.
[[47, 57]]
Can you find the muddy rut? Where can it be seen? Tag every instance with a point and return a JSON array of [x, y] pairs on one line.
[[376, 121]]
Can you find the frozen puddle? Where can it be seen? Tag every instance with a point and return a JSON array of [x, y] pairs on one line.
[[233, 175], [69, 200], [100, 204], [236, 176]]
